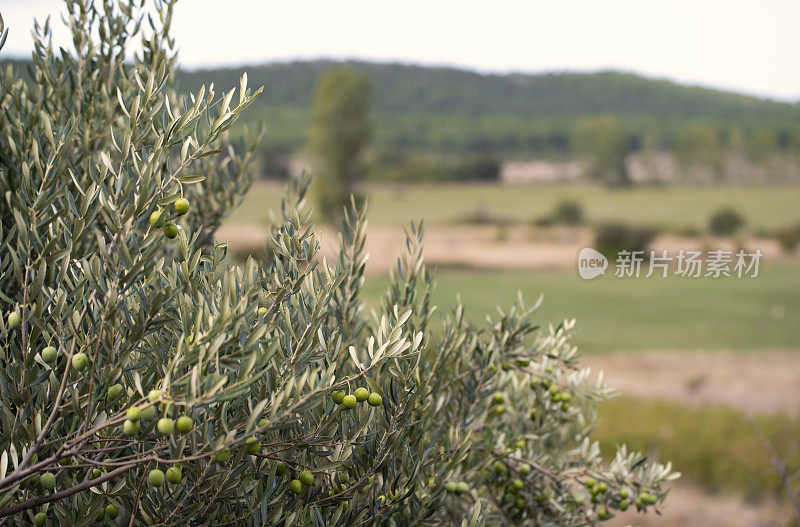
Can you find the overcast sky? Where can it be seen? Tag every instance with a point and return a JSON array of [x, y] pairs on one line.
[[746, 46]]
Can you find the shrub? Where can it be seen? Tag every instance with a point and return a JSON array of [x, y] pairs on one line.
[[242, 377], [612, 238], [725, 222], [789, 238], [568, 212]]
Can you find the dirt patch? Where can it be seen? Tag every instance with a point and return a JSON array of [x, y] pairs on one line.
[[688, 506], [490, 247], [763, 382]]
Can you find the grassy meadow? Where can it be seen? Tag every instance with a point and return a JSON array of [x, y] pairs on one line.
[[672, 207], [655, 313]]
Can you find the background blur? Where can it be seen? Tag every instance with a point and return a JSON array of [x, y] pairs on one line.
[[522, 132]]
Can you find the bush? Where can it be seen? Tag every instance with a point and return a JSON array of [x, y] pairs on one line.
[[725, 222], [789, 238], [184, 390], [611, 238], [568, 212]]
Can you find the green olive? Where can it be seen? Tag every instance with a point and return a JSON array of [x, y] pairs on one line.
[[112, 511], [223, 455], [184, 424], [40, 519], [296, 486], [148, 412], [349, 401], [156, 477], [80, 361], [337, 396], [181, 206], [48, 481], [49, 354], [252, 445], [174, 475], [171, 231], [374, 399], [165, 426], [14, 320], [306, 477], [158, 218], [130, 428], [361, 394], [133, 413], [114, 391]]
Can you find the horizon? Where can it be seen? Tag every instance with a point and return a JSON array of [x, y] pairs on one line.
[[738, 47]]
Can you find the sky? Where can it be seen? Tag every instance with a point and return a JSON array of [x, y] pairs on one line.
[[745, 46]]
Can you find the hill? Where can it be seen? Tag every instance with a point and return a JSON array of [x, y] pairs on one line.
[[451, 110]]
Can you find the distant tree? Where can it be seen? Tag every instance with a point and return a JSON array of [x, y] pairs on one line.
[[698, 145], [601, 140], [340, 131], [762, 143]]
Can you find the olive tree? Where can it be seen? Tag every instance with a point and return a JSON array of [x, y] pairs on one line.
[[146, 380]]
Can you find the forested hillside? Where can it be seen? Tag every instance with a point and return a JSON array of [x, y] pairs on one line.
[[453, 111]]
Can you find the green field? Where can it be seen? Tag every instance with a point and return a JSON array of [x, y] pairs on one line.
[[674, 207], [654, 313]]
